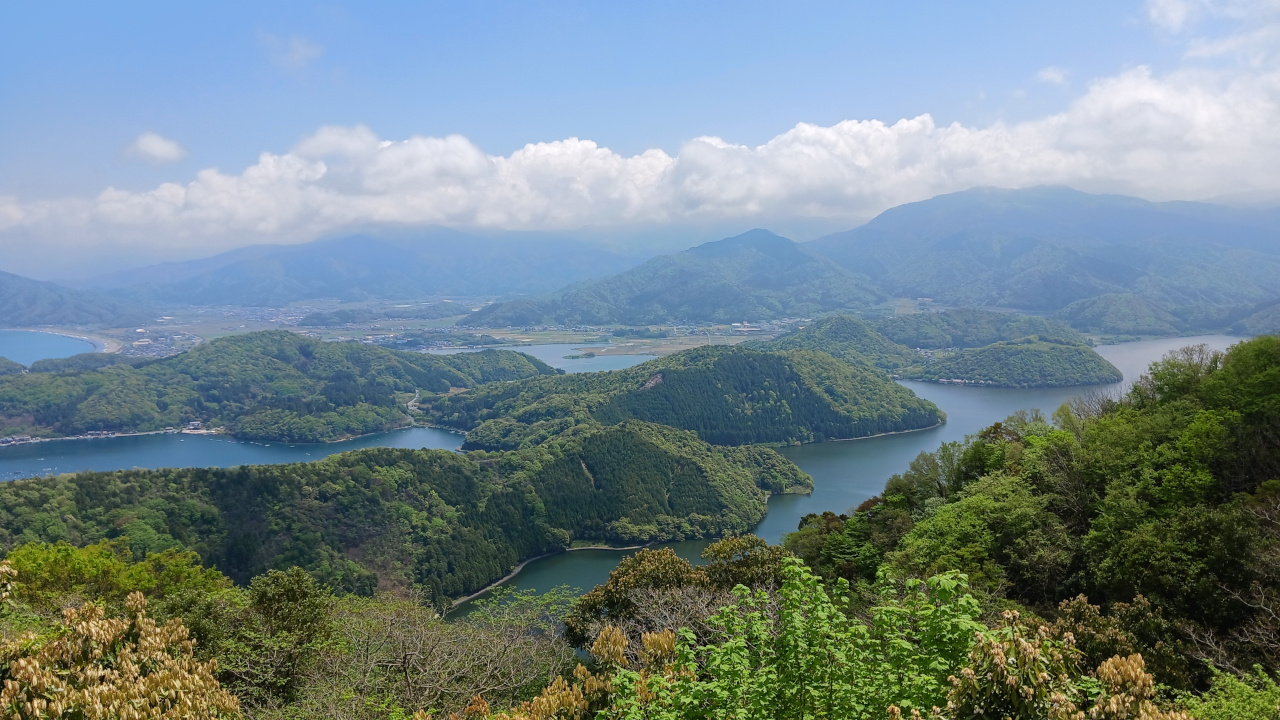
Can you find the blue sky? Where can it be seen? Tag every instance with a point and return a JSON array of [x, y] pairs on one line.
[[215, 85], [228, 80]]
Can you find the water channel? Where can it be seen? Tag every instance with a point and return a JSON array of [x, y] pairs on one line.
[[846, 473]]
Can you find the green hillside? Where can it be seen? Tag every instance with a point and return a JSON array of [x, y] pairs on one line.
[[752, 276], [384, 518], [727, 395], [847, 338], [1146, 504], [1029, 362], [9, 367], [970, 328], [1121, 314], [1059, 360], [27, 303], [272, 385]]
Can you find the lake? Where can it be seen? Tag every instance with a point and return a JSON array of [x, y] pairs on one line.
[[188, 450], [28, 346], [554, 354], [845, 473]]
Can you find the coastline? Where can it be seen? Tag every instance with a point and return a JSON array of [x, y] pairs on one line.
[[516, 571], [100, 344]]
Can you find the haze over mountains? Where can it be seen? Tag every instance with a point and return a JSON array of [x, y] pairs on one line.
[[438, 261], [1103, 263]]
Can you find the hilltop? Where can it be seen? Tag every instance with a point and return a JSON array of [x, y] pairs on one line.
[[272, 385], [727, 395], [751, 276]]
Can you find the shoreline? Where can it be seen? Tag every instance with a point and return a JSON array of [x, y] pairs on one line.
[[516, 570], [100, 344]]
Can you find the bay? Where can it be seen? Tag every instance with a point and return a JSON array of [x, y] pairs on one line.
[[159, 450], [27, 346], [845, 473]]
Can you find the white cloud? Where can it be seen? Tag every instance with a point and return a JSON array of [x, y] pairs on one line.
[[292, 54], [1053, 75], [155, 149], [1194, 133]]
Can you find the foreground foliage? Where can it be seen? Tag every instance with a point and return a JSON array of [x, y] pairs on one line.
[[92, 666], [1162, 507]]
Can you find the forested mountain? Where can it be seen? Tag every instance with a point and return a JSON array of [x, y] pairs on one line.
[[1161, 507], [1044, 248], [265, 385], [437, 262], [1060, 358], [752, 276], [1029, 362], [728, 395], [385, 519], [25, 303]]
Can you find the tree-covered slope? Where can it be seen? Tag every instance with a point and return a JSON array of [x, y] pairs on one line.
[[971, 328], [847, 338], [1163, 506], [265, 385], [26, 303], [1120, 313], [9, 367], [727, 395], [1061, 359], [752, 276], [386, 518], [1029, 362]]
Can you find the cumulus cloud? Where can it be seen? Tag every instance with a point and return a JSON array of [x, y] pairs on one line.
[[1190, 134], [1202, 131], [292, 54], [155, 149]]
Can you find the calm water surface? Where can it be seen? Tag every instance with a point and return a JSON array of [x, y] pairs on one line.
[[846, 473], [26, 346], [181, 450], [554, 355]]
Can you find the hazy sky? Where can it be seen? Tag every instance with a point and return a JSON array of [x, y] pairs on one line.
[[182, 129]]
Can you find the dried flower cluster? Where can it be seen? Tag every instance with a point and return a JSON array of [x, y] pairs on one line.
[[96, 667]]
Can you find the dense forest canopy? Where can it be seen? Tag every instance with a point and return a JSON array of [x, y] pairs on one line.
[[1161, 506], [272, 385], [728, 395], [393, 519]]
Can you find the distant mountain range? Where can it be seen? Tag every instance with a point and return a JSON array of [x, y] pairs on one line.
[[27, 303], [752, 276], [1178, 266], [1104, 263], [357, 268]]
